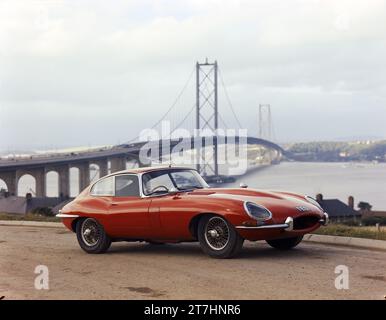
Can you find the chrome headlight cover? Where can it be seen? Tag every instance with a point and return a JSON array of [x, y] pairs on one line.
[[256, 211], [314, 202]]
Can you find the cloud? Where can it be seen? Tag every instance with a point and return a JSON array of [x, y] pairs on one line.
[[125, 60]]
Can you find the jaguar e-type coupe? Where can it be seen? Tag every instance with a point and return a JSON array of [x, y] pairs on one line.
[[175, 204]]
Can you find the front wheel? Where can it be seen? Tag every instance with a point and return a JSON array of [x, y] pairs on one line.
[[286, 243], [218, 238], [91, 236]]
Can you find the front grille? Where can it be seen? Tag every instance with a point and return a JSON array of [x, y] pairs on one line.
[[305, 222]]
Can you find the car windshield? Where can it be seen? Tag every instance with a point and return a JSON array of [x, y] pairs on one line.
[[165, 180]]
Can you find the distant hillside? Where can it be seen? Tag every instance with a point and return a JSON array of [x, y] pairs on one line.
[[339, 151]]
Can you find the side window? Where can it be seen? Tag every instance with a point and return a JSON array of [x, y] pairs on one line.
[[105, 187], [126, 186]]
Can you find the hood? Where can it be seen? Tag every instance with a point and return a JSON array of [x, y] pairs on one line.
[[281, 204]]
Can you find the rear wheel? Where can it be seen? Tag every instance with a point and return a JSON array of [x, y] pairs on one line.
[[91, 236], [218, 238], [286, 243]]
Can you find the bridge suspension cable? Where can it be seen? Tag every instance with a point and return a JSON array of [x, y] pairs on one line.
[[183, 120], [223, 121], [173, 104], [228, 99]]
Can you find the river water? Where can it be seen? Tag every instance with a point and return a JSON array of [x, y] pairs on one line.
[[364, 181]]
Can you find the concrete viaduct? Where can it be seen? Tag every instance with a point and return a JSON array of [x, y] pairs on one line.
[[38, 167], [12, 171]]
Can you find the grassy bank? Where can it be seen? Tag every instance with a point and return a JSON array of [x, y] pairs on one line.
[[27, 217], [350, 231]]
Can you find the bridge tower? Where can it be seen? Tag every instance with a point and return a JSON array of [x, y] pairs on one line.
[[207, 114], [265, 122]]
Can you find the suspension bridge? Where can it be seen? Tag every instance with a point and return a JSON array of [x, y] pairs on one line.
[[198, 115]]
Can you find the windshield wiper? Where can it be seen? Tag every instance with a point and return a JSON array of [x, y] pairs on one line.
[[190, 188]]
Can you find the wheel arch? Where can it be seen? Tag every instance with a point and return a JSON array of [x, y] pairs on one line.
[[193, 224], [75, 222]]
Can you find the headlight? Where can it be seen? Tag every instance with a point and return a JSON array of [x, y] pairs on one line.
[[314, 202], [257, 212]]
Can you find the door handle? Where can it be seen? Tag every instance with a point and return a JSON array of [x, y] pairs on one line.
[[113, 204]]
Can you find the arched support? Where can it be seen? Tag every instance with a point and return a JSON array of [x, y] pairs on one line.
[[63, 179], [52, 190], [40, 179]]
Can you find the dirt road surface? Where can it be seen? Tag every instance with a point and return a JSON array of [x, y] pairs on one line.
[[181, 271]]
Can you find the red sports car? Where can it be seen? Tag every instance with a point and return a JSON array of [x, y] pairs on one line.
[[161, 205]]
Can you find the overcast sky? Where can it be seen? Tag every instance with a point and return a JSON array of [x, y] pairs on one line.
[[76, 73]]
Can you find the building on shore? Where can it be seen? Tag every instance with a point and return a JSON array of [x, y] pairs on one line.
[[338, 210]]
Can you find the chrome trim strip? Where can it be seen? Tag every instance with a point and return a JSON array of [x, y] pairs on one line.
[[267, 226], [64, 215]]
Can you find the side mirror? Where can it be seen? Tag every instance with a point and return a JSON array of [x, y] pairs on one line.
[[243, 185]]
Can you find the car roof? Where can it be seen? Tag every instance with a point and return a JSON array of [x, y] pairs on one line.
[[149, 169]]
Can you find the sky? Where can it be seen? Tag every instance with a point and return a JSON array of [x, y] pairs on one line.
[[90, 73]]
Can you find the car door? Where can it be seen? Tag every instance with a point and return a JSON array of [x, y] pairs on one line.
[[128, 211], [172, 213]]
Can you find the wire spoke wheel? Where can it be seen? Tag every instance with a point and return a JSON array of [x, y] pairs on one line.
[[217, 233], [90, 232]]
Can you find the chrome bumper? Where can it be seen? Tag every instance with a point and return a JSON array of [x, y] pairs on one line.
[[288, 224], [63, 215], [325, 220]]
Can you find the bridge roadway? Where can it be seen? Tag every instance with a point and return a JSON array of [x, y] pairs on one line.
[[38, 166], [60, 159]]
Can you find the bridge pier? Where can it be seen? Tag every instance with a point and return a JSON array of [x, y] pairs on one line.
[[103, 167], [64, 181], [118, 164], [84, 174]]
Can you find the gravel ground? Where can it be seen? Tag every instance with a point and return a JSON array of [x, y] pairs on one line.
[[181, 271]]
